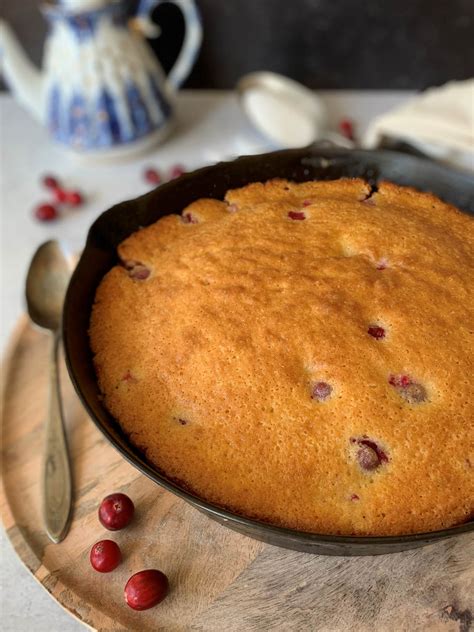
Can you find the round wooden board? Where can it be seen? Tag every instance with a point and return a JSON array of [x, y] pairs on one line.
[[219, 580]]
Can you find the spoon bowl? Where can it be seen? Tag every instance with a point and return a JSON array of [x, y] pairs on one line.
[[46, 284]]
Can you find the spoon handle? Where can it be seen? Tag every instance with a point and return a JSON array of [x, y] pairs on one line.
[[57, 486]]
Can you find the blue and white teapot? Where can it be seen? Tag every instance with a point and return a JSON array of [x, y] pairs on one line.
[[102, 92]]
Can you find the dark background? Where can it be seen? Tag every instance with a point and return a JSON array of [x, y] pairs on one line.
[[333, 44]]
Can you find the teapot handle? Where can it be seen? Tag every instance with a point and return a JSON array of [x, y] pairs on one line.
[[192, 36]]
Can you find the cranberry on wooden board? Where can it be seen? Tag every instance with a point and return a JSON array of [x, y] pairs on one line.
[[116, 511], [105, 556], [146, 589], [46, 212]]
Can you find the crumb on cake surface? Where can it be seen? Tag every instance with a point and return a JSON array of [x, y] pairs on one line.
[[301, 354]]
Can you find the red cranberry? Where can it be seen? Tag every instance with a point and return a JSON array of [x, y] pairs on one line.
[[369, 455], [412, 392], [321, 391], [307, 202], [137, 270], [74, 198], [146, 589], [128, 377], [368, 459], [189, 218], [346, 127], [354, 497], [105, 556], [140, 273], [46, 212], [60, 195], [50, 182], [382, 265], [297, 215], [176, 171], [116, 511], [376, 332], [376, 448], [399, 381], [152, 176]]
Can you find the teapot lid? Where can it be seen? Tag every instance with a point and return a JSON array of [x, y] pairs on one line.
[[76, 6], [283, 110]]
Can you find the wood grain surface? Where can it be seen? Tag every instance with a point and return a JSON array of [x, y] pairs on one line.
[[220, 580]]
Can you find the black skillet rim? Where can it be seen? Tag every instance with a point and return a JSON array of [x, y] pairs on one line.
[[307, 157]]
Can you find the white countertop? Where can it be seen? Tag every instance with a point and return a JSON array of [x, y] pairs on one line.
[[210, 127]]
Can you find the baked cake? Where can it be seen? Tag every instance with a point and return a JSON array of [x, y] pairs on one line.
[[300, 354]]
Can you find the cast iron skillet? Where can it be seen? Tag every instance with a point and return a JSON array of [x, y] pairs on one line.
[[120, 221]]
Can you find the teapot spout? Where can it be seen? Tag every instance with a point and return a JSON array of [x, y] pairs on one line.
[[24, 79]]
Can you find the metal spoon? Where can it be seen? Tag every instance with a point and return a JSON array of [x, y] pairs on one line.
[[46, 283]]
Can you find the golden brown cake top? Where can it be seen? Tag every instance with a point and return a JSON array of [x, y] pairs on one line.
[[301, 353]]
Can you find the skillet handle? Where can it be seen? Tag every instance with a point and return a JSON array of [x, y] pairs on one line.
[[337, 140], [403, 147]]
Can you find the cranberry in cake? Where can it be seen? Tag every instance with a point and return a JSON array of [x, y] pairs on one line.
[[301, 357]]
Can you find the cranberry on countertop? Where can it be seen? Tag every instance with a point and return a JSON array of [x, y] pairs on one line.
[[152, 175], [146, 589], [46, 212], [60, 195], [116, 511], [176, 171], [74, 198], [50, 182], [346, 127], [105, 556]]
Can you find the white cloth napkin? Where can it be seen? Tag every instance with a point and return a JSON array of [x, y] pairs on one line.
[[439, 122]]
